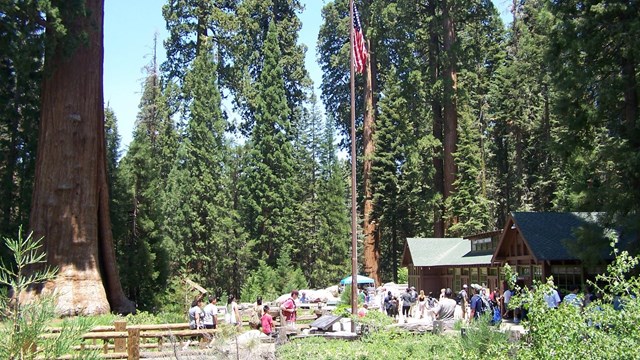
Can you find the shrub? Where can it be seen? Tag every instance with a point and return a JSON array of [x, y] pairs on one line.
[[483, 340], [270, 283], [403, 275], [598, 331], [375, 320], [21, 337]]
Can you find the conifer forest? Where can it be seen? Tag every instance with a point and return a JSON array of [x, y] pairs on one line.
[[461, 118]]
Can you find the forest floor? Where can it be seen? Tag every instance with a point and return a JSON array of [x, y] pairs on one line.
[[246, 346]]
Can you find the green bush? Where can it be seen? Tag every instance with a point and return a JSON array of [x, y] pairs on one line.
[[175, 299], [375, 320], [270, 283], [597, 331], [484, 340], [403, 275], [21, 336]]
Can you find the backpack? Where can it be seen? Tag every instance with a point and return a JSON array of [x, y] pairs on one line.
[[486, 304], [497, 317], [431, 302], [254, 321]]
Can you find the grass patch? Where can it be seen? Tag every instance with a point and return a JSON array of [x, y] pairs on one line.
[[385, 342]]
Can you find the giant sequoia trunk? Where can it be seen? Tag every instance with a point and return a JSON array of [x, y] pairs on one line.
[[436, 108], [450, 107], [70, 200], [371, 245]]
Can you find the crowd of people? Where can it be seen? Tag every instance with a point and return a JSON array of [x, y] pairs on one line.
[[207, 317], [470, 303], [467, 304]]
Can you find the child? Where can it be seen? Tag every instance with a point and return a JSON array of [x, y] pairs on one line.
[[267, 321]]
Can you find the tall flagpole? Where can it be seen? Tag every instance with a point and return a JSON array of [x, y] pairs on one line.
[[354, 238]]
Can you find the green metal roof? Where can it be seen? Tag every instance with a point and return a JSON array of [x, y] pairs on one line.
[[445, 252], [549, 234]]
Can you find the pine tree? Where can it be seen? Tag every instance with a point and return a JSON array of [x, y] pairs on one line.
[[192, 22], [142, 255], [117, 187], [519, 118], [306, 147], [254, 17], [269, 175], [199, 206], [21, 60], [470, 203], [594, 64], [480, 37], [390, 214], [333, 49], [320, 221], [330, 249]]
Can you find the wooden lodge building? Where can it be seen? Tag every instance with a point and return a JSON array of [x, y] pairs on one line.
[[535, 244]]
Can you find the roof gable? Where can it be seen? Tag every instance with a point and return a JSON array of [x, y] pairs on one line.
[[549, 235]]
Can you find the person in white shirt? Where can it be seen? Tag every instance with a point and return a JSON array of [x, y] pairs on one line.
[[233, 311], [211, 314], [506, 296]]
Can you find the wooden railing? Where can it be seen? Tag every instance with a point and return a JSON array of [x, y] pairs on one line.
[[126, 342]]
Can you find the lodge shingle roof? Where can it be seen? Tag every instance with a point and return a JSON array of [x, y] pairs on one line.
[[445, 252], [549, 233]]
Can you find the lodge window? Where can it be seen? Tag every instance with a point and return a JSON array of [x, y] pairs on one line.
[[482, 244], [457, 282], [566, 276], [474, 275], [537, 272], [595, 270], [483, 276], [524, 271]]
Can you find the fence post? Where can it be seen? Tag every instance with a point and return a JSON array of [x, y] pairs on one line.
[[438, 327], [133, 343], [282, 333], [120, 343]]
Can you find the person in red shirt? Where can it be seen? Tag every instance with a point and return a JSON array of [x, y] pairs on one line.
[[288, 308], [266, 321]]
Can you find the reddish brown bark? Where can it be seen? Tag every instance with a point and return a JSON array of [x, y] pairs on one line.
[[450, 107], [436, 107], [70, 206], [371, 247]]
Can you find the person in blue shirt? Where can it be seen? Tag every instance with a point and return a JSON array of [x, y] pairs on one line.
[[572, 298]]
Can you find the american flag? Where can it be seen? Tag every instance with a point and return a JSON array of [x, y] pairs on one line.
[[360, 53]]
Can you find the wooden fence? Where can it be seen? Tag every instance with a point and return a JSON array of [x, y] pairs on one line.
[[127, 342]]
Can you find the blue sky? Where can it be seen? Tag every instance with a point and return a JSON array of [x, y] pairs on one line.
[[129, 28]]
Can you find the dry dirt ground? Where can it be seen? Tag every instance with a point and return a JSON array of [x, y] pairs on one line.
[[246, 346]]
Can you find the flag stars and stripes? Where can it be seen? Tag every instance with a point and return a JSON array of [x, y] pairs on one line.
[[359, 52]]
